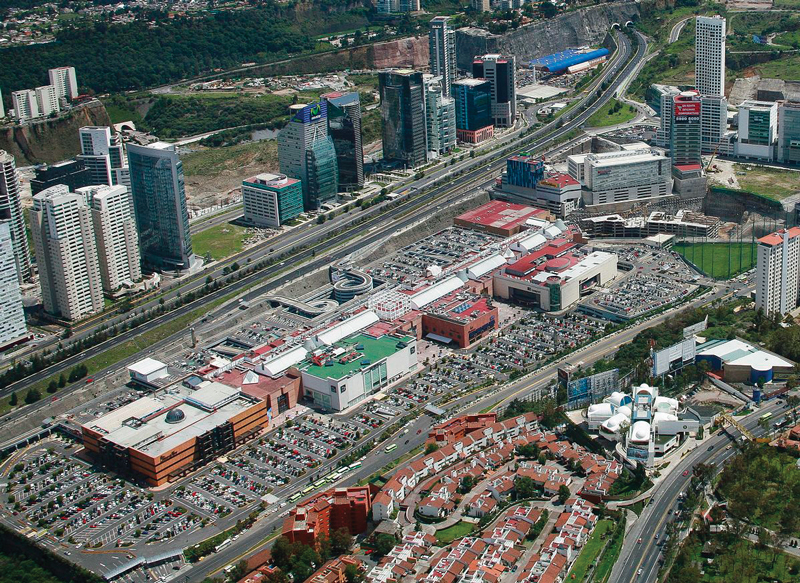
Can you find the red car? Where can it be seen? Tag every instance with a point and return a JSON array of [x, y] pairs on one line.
[[685, 473]]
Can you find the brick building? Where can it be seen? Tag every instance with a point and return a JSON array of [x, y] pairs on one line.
[[326, 512]]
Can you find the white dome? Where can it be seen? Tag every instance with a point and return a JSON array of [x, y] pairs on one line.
[[616, 398], [600, 411], [613, 424], [659, 417], [625, 410], [640, 432], [645, 388]]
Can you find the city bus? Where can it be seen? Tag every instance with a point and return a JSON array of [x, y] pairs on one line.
[[320, 482], [308, 489], [390, 448], [354, 465], [766, 416], [294, 497]]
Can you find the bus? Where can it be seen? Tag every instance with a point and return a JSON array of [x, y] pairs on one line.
[[390, 448], [766, 416], [354, 465], [294, 497], [320, 482], [308, 489]]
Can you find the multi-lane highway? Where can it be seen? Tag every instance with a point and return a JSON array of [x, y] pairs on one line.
[[640, 561], [439, 188]]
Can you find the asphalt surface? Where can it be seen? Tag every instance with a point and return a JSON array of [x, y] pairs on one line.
[[316, 244], [645, 555]]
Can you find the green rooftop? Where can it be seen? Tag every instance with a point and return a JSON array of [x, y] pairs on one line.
[[359, 352]]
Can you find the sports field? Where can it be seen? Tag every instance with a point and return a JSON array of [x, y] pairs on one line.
[[719, 260]]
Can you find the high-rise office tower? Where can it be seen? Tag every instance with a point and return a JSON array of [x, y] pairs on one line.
[[713, 121], [159, 199], [789, 132], [73, 173], [481, 5], [11, 211], [47, 100], [666, 95], [501, 72], [271, 199], [685, 139], [344, 127], [102, 154], [115, 235], [473, 99], [25, 104], [777, 271], [758, 125], [403, 116], [442, 43], [709, 61], [69, 272], [440, 116], [306, 152], [65, 82], [12, 317]]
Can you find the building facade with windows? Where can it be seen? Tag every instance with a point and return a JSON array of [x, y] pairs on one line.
[[709, 64], [159, 200], [758, 129], [440, 116], [270, 200], [685, 132], [12, 316], [65, 82], [788, 151], [473, 105], [777, 273], [344, 128], [500, 71], [11, 211], [403, 122]]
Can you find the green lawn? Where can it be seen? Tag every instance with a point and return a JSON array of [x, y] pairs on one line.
[[451, 533], [786, 4], [606, 562], [787, 68], [771, 182], [613, 113], [220, 241], [590, 551], [791, 39], [719, 260]]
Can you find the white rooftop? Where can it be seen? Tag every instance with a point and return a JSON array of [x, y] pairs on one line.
[[348, 327], [147, 366], [276, 365], [438, 290]]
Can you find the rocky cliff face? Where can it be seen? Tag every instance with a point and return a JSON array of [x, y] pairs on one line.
[[405, 52], [587, 26], [51, 140]]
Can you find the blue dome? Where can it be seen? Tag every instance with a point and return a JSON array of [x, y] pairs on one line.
[[175, 416]]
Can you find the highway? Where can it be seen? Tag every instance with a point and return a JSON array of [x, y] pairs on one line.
[[655, 516], [381, 224]]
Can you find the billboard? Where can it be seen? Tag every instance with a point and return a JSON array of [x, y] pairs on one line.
[[674, 357], [312, 112], [687, 108], [592, 389], [690, 331]]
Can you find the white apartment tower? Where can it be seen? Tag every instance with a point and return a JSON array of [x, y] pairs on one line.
[[440, 118], [66, 253], [25, 105], [47, 100], [102, 153], [115, 235], [442, 41], [777, 271], [709, 62], [12, 317], [713, 122], [11, 211], [64, 81]]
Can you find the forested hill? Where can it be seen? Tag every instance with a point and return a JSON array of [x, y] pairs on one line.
[[138, 55]]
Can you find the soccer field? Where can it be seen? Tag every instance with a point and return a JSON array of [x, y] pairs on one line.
[[719, 260]]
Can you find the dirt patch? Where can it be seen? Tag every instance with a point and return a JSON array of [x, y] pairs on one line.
[[712, 395]]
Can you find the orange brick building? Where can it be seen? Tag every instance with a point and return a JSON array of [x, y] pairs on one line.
[[326, 512], [163, 436], [457, 427], [333, 571], [460, 317]]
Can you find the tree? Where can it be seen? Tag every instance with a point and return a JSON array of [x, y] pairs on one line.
[[383, 544], [341, 541], [430, 448], [352, 574], [52, 386], [526, 488], [13, 401], [467, 483], [32, 396], [563, 494], [62, 381]]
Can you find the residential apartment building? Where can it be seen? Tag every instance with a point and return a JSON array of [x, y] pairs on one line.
[[306, 152], [442, 42], [270, 200], [777, 271], [344, 128], [102, 154], [788, 151], [403, 120], [159, 199], [12, 316], [47, 100], [709, 65], [64, 81], [440, 117], [713, 123], [25, 105], [11, 211], [116, 236], [66, 253], [500, 71], [758, 129]]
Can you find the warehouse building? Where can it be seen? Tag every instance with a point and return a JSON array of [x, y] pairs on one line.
[[741, 362], [169, 433], [499, 218]]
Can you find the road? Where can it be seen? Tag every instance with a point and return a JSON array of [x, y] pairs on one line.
[[481, 172], [675, 33], [655, 516]]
